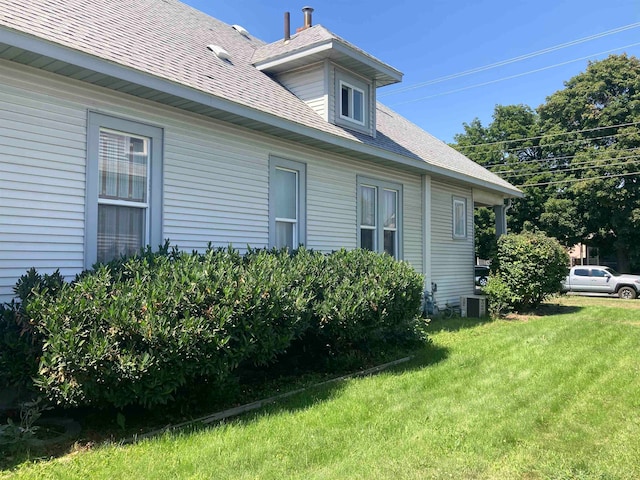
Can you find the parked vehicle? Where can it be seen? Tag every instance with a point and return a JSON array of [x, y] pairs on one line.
[[482, 275], [598, 279]]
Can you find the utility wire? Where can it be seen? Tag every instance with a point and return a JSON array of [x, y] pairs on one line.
[[516, 151], [555, 134], [510, 60], [511, 77], [552, 159], [574, 180], [572, 169]]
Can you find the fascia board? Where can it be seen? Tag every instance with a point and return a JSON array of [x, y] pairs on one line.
[[385, 69], [329, 45]]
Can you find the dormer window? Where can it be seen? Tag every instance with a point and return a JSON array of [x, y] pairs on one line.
[[352, 102]]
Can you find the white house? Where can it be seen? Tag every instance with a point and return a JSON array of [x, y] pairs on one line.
[[127, 122]]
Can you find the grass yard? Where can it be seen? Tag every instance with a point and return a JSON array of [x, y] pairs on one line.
[[555, 395]]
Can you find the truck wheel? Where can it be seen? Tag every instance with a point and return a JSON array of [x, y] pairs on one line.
[[627, 293], [483, 281]]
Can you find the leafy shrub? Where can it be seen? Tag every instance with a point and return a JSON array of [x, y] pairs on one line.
[[530, 267], [20, 347], [137, 333], [501, 297], [363, 299], [138, 330]]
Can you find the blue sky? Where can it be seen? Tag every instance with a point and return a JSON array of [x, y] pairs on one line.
[[429, 40]]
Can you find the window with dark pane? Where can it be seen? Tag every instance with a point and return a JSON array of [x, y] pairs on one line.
[[123, 163]]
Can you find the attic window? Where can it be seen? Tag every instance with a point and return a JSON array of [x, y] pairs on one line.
[[352, 101], [219, 52], [241, 30]]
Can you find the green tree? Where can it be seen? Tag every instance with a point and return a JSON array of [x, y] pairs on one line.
[[578, 163], [598, 112], [500, 147], [485, 232]]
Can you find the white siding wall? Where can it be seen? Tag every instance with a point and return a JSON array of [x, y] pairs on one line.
[[452, 260], [309, 86], [215, 178], [42, 153]]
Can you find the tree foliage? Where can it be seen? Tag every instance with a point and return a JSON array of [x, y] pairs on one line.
[[575, 157]]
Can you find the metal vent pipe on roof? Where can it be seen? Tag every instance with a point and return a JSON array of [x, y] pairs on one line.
[[307, 16], [287, 26]]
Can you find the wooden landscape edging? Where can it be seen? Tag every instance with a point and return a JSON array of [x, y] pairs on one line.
[[232, 412]]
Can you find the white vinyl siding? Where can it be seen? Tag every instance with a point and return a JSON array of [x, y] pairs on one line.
[[42, 172], [452, 265], [309, 86], [215, 179]]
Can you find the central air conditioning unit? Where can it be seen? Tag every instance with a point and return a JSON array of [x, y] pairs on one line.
[[473, 306]]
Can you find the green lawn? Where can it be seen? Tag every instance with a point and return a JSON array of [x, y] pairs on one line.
[[549, 396]]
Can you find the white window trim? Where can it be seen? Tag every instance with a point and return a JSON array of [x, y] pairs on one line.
[[459, 201], [381, 185], [153, 224], [295, 221], [376, 223], [300, 233], [394, 229], [364, 103]]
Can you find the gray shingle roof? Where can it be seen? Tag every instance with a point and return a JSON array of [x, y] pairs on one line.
[[300, 41], [169, 39]]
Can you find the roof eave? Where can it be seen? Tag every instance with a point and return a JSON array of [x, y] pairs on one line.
[[74, 57], [385, 74]]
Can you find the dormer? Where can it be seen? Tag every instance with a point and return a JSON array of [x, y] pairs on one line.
[[335, 78]]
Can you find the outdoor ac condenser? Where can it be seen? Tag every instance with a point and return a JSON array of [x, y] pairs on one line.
[[473, 306]]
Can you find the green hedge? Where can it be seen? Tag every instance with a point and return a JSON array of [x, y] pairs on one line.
[[137, 330], [362, 301]]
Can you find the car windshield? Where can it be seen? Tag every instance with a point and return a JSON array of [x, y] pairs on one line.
[[612, 272]]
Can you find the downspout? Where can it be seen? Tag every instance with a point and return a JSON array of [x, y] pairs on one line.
[[426, 232], [506, 209]]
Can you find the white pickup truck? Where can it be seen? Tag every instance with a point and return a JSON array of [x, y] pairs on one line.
[[596, 279]]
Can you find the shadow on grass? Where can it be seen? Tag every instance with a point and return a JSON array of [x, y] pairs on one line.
[[100, 426], [548, 309], [441, 324], [424, 357]]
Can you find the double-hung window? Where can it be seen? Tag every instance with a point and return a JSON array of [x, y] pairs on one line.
[[124, 175], [379, 214], [287, 203], [352, 102], [459, 217]]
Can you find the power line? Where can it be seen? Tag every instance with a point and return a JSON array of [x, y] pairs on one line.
[[572, 168], [516, 151], [574, 180], [513, 76], [556, 134], [554, 159], [511, 60], [551, 159]]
